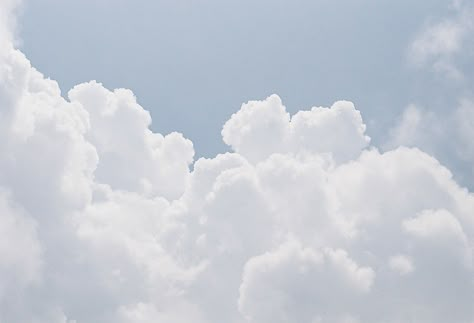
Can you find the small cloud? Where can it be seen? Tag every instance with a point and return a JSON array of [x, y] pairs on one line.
[[438, 44], [401, 264]]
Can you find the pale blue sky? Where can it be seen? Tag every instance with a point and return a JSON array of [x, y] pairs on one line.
[[192, 63]]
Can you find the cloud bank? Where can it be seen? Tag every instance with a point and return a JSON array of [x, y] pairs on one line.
[[103, 220]]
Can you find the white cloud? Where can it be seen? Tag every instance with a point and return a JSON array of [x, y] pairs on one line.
[[439, 43], [446, 135], [132, 157], [19, 266], [401, 264], [300, 284], [261, 128], [102, 219], [443, 129]]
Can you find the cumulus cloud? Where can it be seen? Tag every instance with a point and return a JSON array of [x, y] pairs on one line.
[[103, 220], [261, 128], [300, 284], [130, 156]]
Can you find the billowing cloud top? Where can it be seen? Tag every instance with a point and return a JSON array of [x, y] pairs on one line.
[[102, 219]]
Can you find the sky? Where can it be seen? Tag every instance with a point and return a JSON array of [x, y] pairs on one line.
[[193, 63], [236, 161]]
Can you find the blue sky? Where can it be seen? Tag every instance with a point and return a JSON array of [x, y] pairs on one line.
[[193, 63]]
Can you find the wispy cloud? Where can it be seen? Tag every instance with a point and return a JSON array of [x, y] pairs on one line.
[[439, 43]]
